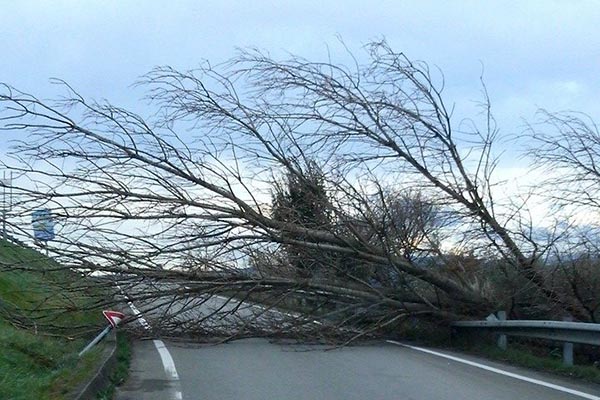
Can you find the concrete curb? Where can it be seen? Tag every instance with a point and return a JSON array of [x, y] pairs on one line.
[[101, 379]]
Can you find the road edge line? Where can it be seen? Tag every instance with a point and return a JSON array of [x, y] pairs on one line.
[[499, 371], [163, 352]]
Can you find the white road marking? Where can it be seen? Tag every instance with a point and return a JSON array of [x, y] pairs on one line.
[[500, 371], [169, 366], [167, 360], [163, 352], [139, 317]]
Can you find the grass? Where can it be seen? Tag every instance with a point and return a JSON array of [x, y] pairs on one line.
[[47, 315], [36, 291], [121, 371], [536, 355], [38, 367], [539, 356]]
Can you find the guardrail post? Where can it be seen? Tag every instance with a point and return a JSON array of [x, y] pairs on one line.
[[566, 332], [568, 354], [502, 340], [568, 349]]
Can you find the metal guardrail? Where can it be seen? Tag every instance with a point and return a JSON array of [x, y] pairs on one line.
[[561, 331], [573, 332]]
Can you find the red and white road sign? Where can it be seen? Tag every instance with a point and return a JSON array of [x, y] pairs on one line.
[[113, 317]]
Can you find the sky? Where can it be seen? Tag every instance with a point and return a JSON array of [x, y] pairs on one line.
[[532, 54]]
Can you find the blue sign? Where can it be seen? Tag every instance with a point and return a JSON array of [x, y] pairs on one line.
[[43, 224]]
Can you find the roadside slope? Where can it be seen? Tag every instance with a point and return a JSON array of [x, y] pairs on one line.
[[47, 313]]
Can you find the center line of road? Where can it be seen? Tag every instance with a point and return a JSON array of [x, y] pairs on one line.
[[167, 360], [163, 352], [139, 317], [500, 371]]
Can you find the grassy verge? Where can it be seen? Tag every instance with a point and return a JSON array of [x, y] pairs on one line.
[[540, 358], [537, 355], [47, 315], [39, 294], [39, 367], [121, 371]]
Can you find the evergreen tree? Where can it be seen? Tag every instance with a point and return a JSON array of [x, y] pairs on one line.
[[302, 200]]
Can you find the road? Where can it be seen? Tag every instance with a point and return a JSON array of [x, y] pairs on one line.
[[259, 369]]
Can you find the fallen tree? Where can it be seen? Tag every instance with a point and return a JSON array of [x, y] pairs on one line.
[[185, 197]]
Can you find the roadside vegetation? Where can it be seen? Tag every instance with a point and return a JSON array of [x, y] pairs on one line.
[[121, 371], [536, 354], [44, 323], [540, 357]]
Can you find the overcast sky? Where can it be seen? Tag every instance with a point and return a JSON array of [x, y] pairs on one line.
[[534, 53]]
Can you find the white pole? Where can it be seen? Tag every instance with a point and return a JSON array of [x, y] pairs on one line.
[[4, 205], [96, 340], [10, 193]]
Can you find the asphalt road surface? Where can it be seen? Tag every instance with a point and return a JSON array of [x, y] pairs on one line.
[[258, 369]]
